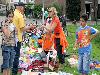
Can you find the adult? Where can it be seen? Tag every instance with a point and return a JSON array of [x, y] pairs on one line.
[[19, 22], [60, 42]]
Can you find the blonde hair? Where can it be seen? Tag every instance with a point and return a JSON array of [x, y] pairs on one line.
[[53, 9]]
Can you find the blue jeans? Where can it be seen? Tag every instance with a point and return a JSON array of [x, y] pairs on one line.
[[8, 53], [83, 63], [16, 59]]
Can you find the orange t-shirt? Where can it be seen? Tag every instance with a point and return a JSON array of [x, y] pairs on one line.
[[58, 28], [84, 38]]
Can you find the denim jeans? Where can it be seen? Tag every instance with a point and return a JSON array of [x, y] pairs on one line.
[[8, 53], [16, 59], [83, 63]]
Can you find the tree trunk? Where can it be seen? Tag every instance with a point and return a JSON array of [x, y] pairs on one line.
[[83, 8]]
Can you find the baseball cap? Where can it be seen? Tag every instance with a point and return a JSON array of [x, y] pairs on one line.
[[19, 4]]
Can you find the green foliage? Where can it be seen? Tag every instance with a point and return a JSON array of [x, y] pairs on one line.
[[73, 9], [95, 49], [27, 8], [71, 39], [37, 10], [58, 7]]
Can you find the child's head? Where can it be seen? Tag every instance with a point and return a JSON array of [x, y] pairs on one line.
[[10, 15], [83, 20]]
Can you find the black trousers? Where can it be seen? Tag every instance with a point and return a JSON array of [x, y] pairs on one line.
[[59, 51], [16, 59]]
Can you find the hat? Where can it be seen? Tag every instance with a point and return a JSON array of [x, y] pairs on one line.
[[19, 4]]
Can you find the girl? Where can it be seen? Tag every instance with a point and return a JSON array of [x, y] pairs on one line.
[[8, 42]]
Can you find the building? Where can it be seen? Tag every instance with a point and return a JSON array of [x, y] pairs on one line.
[[98, 11], [92, 7]]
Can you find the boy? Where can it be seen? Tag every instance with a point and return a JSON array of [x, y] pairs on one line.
[[84, 35]]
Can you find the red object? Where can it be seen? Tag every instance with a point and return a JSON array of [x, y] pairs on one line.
[[38, 65], [20, 70]]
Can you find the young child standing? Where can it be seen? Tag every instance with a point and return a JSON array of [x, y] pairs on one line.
[[84, 35], [8, 42]]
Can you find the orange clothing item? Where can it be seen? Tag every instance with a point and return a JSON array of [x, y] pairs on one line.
[[40, 41], [61, 35], [58, 28], [84, 38], [47, 41], [63, 41]]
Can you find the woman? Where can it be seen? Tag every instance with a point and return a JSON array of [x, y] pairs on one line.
[[60, 42]]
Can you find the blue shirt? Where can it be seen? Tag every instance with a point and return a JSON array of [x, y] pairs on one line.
[[89, 47]]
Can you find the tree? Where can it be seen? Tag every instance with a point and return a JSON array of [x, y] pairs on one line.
[[73, 9], [37, 11], [58, 6], [83, 8]]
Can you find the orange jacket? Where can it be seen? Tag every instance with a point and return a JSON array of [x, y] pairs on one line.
[[58, 29], [47, 41], [63, 41]]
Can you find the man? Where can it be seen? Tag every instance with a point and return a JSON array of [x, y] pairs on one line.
[[20, 26]]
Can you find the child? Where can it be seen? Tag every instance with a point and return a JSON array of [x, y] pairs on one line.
[[84, 35], [8, 43]]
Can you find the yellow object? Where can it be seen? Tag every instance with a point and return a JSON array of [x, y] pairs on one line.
[[32, 41], [19, 22]]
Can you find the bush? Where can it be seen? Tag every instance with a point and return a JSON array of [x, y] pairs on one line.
[[73, 9], [37, 11], [27, 8], [33, 10]]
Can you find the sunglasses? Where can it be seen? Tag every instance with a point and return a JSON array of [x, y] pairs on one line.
[[49, 11], [10, 16]]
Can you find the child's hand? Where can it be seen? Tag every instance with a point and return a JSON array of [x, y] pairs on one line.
[[75, 47], [6, 32], [32, 27]]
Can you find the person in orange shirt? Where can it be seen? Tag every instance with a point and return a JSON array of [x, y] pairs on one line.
[[46, 40], [60, 42]]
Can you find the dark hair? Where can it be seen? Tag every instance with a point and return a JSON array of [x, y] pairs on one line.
[[9, 12], [85, 17]]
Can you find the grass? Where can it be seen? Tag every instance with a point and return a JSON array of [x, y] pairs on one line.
[[95, 52], [71, 39]]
